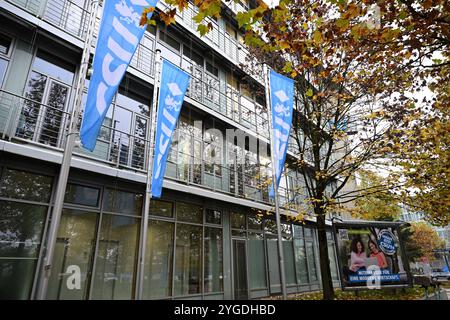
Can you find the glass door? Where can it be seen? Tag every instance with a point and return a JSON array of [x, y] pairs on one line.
[[52, 117], [140, 147], [240, 270]]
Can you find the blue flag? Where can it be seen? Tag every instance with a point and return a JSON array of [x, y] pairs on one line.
[[118, 39], [281, 103], [174, 83]]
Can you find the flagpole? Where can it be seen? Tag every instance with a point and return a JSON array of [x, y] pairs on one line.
[[274, 183], [148, 185], [67, 157]]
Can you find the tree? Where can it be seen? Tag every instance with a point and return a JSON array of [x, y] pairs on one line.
[[420, 143], [340, 84], [426, 239], [412, 249], [375, 204], [353, 75]]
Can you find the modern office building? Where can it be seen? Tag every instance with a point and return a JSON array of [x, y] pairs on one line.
[[207, 236]]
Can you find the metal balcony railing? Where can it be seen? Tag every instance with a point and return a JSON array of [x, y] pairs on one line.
[[32, 6], [235, 7], [204, 88], [24, 120], [73, 19]]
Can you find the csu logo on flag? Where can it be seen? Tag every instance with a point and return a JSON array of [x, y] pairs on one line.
[[170, 102], [127, 13], [174, 83], [119, 36], [282, 98], [170, 109], [279, 107]]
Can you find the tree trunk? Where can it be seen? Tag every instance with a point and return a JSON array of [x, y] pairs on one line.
[[325, 271]]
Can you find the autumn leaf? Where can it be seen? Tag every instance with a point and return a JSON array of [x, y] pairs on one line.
[[318, 37]]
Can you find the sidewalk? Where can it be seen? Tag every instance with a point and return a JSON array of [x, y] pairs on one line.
[[447, 292], [443, 294]]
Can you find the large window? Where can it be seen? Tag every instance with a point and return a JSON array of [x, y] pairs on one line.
[[47, 92], [213, 152], [159, 260], [5, 54], [130, 119], [300, 255], [257, 263], [82, 195], [115, 269], [20, 239], [170, 47], [19, 184], [101, 244], [195, 267], [311, 255], [189, 212], [213, 260], [332, 257], [75, 247], [188, 260], [288, 251], [21, 229]]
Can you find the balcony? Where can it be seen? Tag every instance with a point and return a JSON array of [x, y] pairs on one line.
[[27, 121], [73, 19], [205, 88], [236, 7]]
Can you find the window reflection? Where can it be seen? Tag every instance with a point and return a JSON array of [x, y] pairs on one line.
[[121, 125], [52, 119], [139, 142], [5, 44], [161, 208], [311, 261], [54, 67], [257, 262], [42, 117], [30, 111], [188, 260], [159, 260], [300, 261], [123, 202], [82, 195], [75, 246], [21, 228], [18, 184], [189, 212], [3, 67], [213, 260], [116, 258]]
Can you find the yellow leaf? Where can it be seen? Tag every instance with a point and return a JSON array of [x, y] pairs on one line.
[[318, 37]]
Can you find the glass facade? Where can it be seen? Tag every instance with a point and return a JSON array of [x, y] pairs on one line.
[[116, 258], [102, 243], [99, 236], [257, 265], [75, 246], [5, 52], [21, 229], [184, 254], [193, 250], [159, 260]]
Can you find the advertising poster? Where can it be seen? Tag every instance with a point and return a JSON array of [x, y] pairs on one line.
[[371, 256]]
